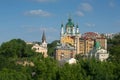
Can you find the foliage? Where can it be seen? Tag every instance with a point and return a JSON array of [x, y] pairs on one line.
[[51, 47], [114, 48], [9, 74], [15, 48], [50, 69]]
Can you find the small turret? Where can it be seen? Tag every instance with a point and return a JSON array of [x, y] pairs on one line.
[[77, 29], [43, 37], [62, 30]]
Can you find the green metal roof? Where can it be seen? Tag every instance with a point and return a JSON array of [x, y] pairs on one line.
[[97, 45], [77, 26], [69, 23]]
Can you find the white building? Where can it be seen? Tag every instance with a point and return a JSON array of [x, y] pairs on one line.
[[42, 48], [72, 61], [110, 35], [68, 60], [102, 55]]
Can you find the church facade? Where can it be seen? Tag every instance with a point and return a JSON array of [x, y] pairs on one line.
[[72, 42]]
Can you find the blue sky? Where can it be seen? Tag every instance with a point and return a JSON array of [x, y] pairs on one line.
[[26, 19]]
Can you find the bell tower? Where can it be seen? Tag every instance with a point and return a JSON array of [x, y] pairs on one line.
[[44, 43]]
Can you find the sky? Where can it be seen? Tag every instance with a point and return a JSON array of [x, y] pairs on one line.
[[27, 19]]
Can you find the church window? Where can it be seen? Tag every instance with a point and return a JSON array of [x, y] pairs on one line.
[[62, 56], [71, 56]]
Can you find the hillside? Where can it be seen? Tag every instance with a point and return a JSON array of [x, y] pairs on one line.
[[17, 50]]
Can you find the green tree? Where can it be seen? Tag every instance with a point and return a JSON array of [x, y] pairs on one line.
[[8, 74], [15, 48], [51, 47], [114, 48]]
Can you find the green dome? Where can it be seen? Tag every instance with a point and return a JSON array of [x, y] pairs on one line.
[[61, 25], [97, 45], [77, 26], [69, 23]]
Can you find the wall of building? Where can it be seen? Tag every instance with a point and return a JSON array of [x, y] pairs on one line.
[[67, 39], [64, 54], [40, 49]]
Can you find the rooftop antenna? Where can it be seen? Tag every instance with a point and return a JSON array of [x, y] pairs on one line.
[[69, 15]]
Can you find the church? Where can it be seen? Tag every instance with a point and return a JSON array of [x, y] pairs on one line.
[[98, 53], [41, 48], [72, 42]]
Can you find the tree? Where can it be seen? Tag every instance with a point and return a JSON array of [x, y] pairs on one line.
[[50, 69], [15, 48], [8, 74], [51, 47], [114, 48]]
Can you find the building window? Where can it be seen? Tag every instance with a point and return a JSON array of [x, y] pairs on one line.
[[62, 56], [71, 55]]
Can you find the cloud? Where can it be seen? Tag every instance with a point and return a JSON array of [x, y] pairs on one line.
[[117, 23], [111, 4], [88, 0], [80, 13], [90, 24], [44, 0], [85, 7], [32, 29], [38, 12], [48, 29], [51, 33], [29, 29]]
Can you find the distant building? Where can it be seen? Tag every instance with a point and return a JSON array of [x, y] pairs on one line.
[[89, 38], [41, 48], [25, 63], [110, 35], [72, 42], [72, 61], [68, 60]]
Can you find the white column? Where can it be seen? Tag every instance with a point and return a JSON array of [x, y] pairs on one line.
[[62, 30], [106, 44], [77, 30], [73, 30]]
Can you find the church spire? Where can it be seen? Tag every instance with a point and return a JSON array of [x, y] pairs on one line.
[[69, 18], [43, 37]]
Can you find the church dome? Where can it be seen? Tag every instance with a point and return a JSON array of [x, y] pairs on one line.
[[97, 45], [70, 23]]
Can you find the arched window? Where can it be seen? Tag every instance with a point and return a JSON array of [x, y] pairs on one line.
[[71, 55], [62, 56]]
